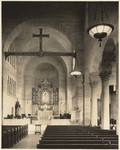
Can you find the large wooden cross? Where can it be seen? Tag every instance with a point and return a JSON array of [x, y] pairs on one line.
[[41, 36], [40, 53]]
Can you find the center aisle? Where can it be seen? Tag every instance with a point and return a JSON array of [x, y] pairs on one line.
[[28, 142]]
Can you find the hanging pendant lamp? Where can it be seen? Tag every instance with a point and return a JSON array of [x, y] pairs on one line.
[[102, 30], [76, 71]]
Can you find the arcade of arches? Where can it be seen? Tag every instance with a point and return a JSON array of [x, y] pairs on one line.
[[42, 88]]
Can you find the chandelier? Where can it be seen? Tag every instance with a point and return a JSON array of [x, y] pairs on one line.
[[101, 30]]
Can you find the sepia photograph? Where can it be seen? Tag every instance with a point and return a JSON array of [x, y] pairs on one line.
[[60, 73]]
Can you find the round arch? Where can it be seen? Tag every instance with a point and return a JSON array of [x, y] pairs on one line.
[[31, 26], [108, 54], [29, 78]]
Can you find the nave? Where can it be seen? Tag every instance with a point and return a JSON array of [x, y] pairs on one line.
[[60, 70], [60, 137], [28, 142]]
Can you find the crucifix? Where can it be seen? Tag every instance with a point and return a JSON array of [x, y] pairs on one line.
[[41, 36]]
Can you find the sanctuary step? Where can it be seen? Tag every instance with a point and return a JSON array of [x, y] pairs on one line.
[[78, 137], [52, 121], [60, 122]]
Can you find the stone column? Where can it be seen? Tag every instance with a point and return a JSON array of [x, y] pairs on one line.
[[94, 112], [86, 99], [117, 89], [62, 98], [80, 98], [69, 94], [105, 119]]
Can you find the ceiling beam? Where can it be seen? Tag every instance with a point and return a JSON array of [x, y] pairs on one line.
[[40, 54]]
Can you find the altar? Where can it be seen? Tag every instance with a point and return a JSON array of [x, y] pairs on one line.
[[45, 101], [45, 115]]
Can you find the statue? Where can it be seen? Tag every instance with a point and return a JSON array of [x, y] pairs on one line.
[[45, 97]]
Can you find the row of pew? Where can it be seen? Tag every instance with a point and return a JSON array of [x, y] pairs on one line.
[[13, 134], [78, 137]]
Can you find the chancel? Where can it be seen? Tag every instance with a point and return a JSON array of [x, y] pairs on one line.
[[59, 84]]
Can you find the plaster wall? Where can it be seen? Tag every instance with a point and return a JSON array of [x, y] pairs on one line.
[[8, 100]]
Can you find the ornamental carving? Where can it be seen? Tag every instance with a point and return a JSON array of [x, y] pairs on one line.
[[94, 84], [45, 92], [94, 79], [44, 98], [105, 72], [105, 75]]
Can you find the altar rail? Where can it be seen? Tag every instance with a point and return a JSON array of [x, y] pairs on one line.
[[60, 122], [16, 121], [13, 134]]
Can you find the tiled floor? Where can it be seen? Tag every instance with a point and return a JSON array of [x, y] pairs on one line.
[[29, 142]]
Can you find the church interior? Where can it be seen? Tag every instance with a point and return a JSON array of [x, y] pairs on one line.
[[60, 75]]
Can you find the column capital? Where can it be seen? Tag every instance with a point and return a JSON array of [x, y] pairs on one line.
[[106, 72], [94, 83], [94, 79], [105, 75]]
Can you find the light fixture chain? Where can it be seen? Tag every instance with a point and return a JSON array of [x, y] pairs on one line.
[[96, 13], [106, 15], [101, 13]]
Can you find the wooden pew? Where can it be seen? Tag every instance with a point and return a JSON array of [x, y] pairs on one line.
[[77, 146], [12, 134], [90, 141], [78, 137]]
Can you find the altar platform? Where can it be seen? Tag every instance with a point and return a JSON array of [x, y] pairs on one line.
[[16, 121], [60, 122], [53, 122], [44, 123]]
